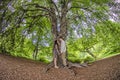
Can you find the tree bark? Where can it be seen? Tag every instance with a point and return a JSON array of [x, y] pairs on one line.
[[59, 21]]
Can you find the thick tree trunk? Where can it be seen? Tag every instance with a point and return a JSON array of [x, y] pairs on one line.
[[63, 23], [59, 24], [53, 19]]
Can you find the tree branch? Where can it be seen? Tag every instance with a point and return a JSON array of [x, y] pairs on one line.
[[40, 15], [84, 8], [38, 6], [55, 6]]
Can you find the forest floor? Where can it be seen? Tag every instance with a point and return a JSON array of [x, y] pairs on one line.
[[12, 68]]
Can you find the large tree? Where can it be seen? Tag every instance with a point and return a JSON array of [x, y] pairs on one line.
[[62, 16]]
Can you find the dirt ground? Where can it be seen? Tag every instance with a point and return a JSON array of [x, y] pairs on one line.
[[12, 68]]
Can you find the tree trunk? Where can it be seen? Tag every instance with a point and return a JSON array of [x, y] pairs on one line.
[[35, 52], [59, 23]]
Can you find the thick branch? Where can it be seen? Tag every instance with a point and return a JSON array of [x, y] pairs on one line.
[[55, 6]]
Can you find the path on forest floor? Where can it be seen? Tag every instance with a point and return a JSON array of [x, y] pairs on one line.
[[12, 68]]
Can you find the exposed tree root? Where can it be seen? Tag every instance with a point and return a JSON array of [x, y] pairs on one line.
[[69, 66], [49, 67]]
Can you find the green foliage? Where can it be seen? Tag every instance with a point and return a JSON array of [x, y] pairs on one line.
[[104, 43], [26, 28]]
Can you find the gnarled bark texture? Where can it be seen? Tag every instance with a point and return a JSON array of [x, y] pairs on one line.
[[58, 22]]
